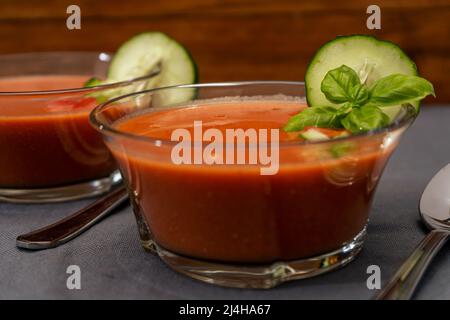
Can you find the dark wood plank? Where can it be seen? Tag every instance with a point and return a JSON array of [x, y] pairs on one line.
[[235, 40], [14, 9]]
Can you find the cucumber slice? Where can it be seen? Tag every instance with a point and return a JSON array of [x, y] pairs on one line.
[[148, 51], [314, 135], [344, 134], [371, 58]]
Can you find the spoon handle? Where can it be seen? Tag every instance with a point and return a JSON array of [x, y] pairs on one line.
[[402, 285], [73, 225]]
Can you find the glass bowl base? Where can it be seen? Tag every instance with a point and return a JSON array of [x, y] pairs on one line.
[[60, 194], [259, 276]]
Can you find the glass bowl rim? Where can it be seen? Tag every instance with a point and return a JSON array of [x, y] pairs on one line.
[[106, 129], [100, 87]]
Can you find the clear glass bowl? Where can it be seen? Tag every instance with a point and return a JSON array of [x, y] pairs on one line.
[[49, 150], [236, 227]]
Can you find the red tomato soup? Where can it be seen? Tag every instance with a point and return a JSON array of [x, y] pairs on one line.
[[46, 139], [318, 200]]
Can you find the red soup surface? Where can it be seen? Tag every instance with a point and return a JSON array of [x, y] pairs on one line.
[[318, 200], [46, 140]]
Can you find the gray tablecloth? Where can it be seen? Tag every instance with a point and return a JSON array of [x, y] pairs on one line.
[[113, 264]]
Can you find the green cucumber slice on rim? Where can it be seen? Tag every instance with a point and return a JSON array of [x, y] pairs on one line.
[[314, 135], [148, 51], [371, 58]]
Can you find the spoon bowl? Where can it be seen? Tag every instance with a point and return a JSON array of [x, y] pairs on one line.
[[435, 202], [434, 210]]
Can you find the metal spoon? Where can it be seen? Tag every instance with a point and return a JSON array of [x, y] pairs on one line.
[[68, 228], [435, 213]]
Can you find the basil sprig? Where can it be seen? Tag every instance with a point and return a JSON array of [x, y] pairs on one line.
[[356, 107]]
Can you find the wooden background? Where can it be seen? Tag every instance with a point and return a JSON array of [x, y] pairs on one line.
[[236, 39]]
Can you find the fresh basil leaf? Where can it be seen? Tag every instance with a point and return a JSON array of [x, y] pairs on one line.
[[397, 89], [344, 109], [313, 116], [365, 119], [359, 94], [337, 84], [92, 82]]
